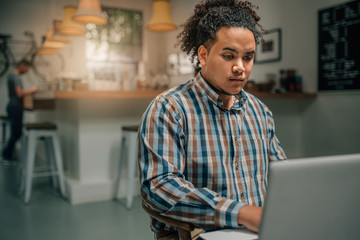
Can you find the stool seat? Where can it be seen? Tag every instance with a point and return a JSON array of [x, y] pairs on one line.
[[40, 126], [4, 117]]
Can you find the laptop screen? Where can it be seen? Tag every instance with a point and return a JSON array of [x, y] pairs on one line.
[[313, 198]]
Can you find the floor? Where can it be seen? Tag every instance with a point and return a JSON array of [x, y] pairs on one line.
[[48, 216]]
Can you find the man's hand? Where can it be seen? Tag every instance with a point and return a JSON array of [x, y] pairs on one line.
[[33, 89], [250, 217]]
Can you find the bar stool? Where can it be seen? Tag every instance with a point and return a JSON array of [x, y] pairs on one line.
[[129, 145], [4, 120], [46, 132]]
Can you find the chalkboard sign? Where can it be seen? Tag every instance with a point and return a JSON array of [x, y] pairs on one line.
[[339, 47]]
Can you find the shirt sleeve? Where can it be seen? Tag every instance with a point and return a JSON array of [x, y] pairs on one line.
[[162, 161], [16, 80], [276, 152]]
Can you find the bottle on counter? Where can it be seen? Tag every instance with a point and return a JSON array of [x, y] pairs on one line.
[[283, 81], [291, 79], [298, 86]]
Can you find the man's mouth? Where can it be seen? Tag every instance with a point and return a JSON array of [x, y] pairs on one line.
[[237, 79]]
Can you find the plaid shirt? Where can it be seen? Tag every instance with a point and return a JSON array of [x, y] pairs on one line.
[[201, 163]]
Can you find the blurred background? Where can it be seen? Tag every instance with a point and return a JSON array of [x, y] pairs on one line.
[[104, 78]]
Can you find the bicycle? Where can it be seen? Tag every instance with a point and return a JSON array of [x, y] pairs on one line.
[[44, 66]]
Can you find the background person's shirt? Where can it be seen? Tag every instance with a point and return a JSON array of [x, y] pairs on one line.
[[201, 163], [14, 81]]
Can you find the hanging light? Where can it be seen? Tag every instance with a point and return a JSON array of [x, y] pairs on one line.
[[59, 39], [89, 11], [46, 51], [161, 20], [48, 47], [69, 26], [53, 44], [52, 35]]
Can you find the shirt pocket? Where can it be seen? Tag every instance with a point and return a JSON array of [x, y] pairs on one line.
[[254, 158]]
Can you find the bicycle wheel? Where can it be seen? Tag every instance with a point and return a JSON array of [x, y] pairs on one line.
[[47, 66], [4, 62]]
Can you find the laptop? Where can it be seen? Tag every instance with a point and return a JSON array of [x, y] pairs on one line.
[[308, 199]]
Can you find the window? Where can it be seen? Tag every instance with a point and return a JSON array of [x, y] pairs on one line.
[[113, 51]]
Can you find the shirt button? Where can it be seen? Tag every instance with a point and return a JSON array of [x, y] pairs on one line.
[[242, 195], [237, 167], [236, 139]]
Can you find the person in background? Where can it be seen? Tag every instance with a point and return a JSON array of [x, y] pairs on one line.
[[205, 146], [15, 107]]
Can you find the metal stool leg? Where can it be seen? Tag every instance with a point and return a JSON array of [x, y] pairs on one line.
[[58, 160], [30, 159], [132, 159], [117, 182], [50, 155], [22, 170]]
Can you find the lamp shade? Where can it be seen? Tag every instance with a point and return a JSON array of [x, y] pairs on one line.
[[161, 20], [50, 37], [46, 51], [68, 26], [53, 44], [89, 11], [59, 39]]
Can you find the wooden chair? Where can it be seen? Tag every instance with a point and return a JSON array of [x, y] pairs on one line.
[[186, 231]]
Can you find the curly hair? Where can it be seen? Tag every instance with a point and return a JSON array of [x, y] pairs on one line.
[[211, 15], [24, 62]]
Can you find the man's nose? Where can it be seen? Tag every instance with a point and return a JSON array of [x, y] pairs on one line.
[[238, 67]]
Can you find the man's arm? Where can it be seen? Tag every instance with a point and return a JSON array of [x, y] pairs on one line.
[[20, 92]]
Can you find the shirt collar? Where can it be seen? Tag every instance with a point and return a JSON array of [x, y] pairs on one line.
[[240, 99]]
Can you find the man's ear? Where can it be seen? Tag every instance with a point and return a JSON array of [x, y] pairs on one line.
[[202, 55]]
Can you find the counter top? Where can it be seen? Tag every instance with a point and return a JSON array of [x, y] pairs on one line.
[[292, 95], [107, 94]]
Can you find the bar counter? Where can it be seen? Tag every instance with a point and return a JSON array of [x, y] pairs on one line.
[[89, 124]]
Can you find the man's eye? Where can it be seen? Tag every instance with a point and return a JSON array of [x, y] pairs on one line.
[[248, 58], [228, 56]]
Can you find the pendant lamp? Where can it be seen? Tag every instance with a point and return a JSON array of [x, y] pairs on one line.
[[89, 11], [161, 20], [69, 26], [52, 35], [59, 39], [46, 51], [53, 44], [48, 47]]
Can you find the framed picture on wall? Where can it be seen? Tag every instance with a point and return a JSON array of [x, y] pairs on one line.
[[269, 50]]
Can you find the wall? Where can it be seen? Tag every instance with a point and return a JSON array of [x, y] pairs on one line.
[[323, 126]]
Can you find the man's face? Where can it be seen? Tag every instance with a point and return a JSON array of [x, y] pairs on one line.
[[228, 64], [23, 68]]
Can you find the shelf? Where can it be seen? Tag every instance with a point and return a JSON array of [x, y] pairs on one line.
[[285, 95], [138, 94]]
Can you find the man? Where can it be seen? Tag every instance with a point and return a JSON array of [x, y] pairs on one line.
[[15, 107], [205, 146]]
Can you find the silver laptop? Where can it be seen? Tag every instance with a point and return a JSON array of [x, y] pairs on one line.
[[313, 198], [307, 199]]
